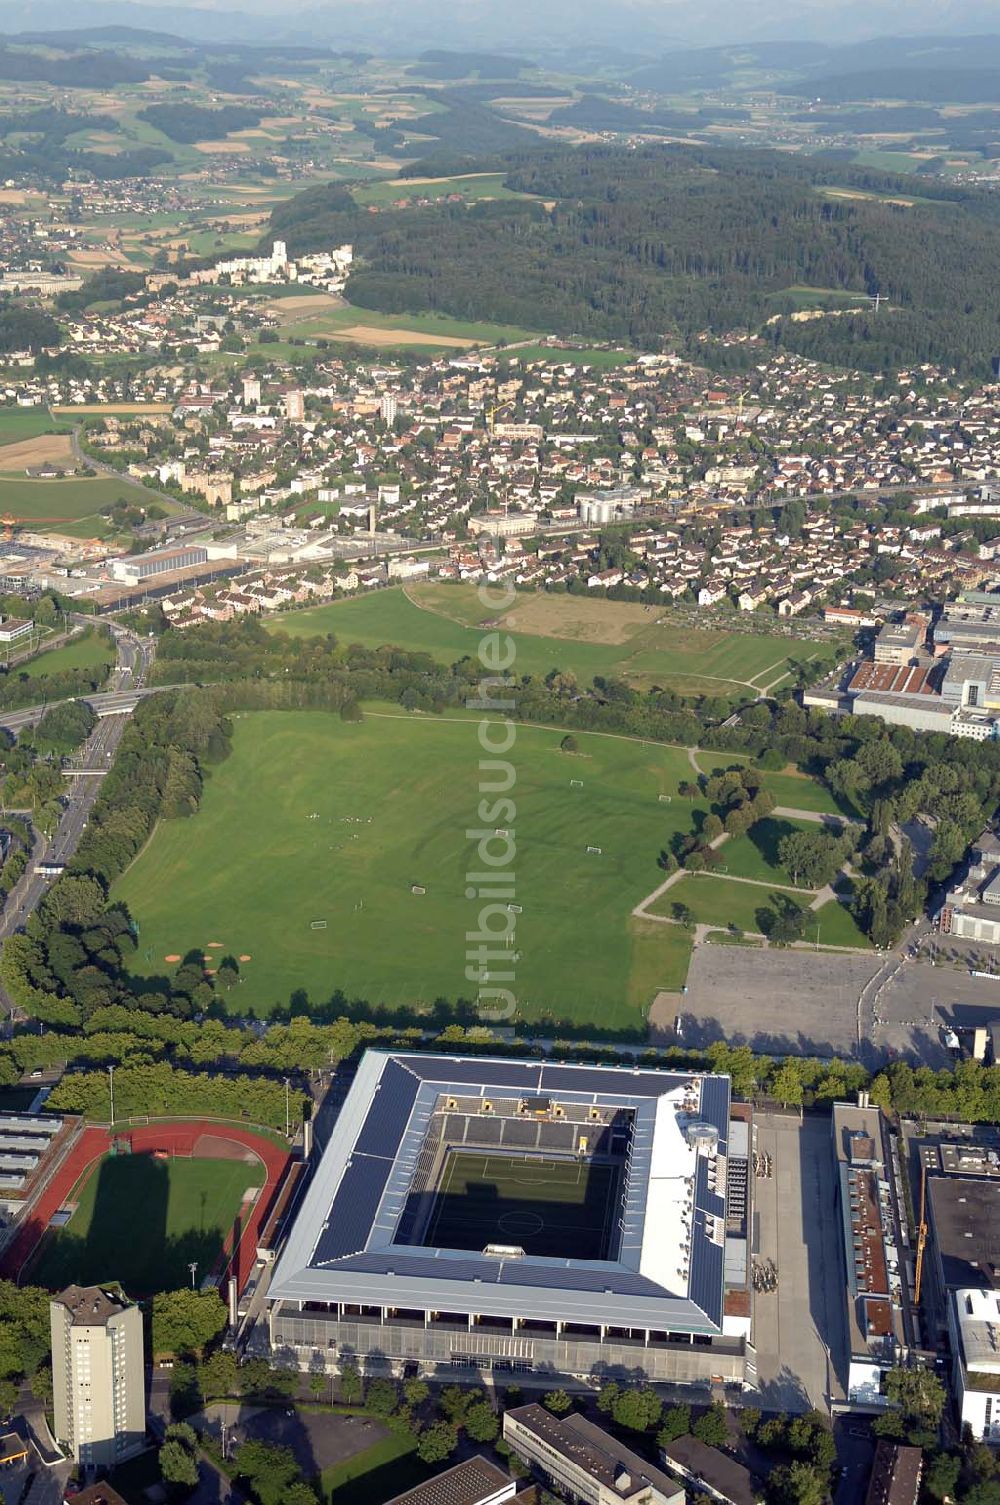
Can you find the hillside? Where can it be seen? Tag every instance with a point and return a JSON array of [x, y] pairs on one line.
[[666, 242]]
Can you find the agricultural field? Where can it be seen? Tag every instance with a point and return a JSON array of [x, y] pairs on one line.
[[576, 634], [322, 316], [188, 1207], [75, 500], [310, 849], [470, 188], [18, 425]]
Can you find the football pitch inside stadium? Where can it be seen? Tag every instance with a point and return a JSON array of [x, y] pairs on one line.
[[560, 1209]]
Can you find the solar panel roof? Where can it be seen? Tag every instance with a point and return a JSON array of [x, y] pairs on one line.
[[341, 1246]]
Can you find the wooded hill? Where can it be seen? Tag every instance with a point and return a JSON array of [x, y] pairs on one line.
[[658, 244]]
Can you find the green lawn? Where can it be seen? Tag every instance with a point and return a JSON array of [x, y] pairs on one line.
[[335, 321], [312, 818], [583, 635], [797, 791], [141, 1221], [388, 1468], [837, 927], [88, 651], [755, 855], [717, 901]]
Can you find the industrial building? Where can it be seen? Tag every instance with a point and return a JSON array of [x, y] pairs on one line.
[[384, 1263], [972, 906], [871, 1238], [963, 1207], [137, 567], [98, 1376]]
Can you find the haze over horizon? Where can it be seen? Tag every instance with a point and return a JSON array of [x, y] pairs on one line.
[[638, 26]]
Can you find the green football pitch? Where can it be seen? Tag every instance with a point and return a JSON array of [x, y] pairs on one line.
[[333, 855], [142, 1221], [549, 1208]]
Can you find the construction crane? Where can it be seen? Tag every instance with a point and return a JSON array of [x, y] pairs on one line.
[[921, 1231], [491, 415]]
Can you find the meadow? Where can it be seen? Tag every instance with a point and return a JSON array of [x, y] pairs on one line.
[[52, 503], [90, 650], [314, 835], [330, 318], [188, 1209], [579, 635], [18, 424]]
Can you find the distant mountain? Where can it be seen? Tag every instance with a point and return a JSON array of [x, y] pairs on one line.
[[399, 27]]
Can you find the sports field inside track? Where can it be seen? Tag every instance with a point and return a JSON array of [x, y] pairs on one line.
[[549, 1208], [313, 834], [582, 635], [142, 1220]]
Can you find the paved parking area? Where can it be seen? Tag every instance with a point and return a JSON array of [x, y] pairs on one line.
[[317, 1438], [779, 1002], [800, 1327], [920, 998]]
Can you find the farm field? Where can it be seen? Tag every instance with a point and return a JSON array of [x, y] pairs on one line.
[[51, 503], [572, 633], [188, 1209], [315, 886], [470, 187], [88, 651], [332, 319], [20, 424]]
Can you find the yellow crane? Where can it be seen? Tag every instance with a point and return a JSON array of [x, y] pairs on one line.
[[491, 415], [921, 1231]]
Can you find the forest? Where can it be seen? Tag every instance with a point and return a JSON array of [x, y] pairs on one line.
[[187, 122], [660, 245]]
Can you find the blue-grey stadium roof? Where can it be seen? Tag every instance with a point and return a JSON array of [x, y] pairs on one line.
[[668, 1272]]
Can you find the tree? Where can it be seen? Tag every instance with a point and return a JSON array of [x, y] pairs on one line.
[[350, 1384], [381, 1397], [184, 1321], [569, 744], [557, 1401], [918, 1393], [272, 1473], [941, 1476], [798, 1483], [416, 1392], [219, 1375], [676, 1423], [481, 1422], [637, 1409], [178, 1455], [711, 1427], [437, 1443]]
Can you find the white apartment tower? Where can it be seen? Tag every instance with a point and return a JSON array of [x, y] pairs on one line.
[[98, 1381], [387, 409]]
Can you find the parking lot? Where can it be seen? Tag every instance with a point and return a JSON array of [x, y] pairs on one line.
[[799, 1327], [777, 1001], [919, 999]]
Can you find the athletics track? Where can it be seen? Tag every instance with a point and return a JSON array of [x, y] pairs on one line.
[[187, 1137]]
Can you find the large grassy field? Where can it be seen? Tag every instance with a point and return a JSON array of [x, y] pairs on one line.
[[50, 503], [141, 1221], [26, 423], [582, 635], [313, 834], [470, 187], [88, 651]]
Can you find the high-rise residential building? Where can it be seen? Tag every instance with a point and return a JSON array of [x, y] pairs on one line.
[[295, 405], [387, 409], [251, 391], [98, 1382]]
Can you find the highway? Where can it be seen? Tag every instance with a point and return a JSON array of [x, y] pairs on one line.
[[84, 775]]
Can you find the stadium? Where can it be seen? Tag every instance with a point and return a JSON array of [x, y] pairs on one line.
[[505, 1215]]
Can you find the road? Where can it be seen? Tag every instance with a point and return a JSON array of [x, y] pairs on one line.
[[84, 777]]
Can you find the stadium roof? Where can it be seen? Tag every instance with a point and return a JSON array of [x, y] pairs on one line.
[[342, 1244]]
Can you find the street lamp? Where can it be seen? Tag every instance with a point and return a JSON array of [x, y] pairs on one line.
[[111, 1078], [288, 1126], [193, 1266]]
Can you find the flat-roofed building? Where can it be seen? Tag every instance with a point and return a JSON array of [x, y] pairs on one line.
[[899, 642], [974, 1326], [586, 1463], [477, 1481], [874, 1287]]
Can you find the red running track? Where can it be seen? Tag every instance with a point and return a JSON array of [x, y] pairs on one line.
[[177, 1138]]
